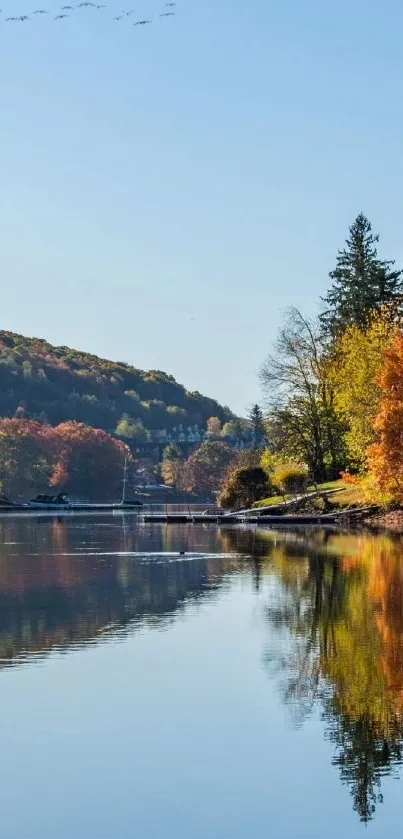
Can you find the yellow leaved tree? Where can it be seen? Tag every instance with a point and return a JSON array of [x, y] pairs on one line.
[[354, 369]]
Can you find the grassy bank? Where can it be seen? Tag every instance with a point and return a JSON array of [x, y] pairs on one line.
[[348, 496]]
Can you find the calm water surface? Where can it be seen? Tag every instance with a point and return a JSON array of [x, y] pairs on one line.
[[250, 688]]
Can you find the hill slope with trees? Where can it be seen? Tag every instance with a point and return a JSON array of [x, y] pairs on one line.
[[56, 384]]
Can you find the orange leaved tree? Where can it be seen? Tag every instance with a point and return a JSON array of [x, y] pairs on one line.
[[71, 456], [27, 456], [90, 461], [385, 457]]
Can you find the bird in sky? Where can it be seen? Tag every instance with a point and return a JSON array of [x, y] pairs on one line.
[[125, 13]]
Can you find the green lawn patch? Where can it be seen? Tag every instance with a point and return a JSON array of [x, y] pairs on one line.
[[328, 485]]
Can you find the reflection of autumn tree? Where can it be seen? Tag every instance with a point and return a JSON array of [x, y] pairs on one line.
[[362, 713], [308, 608], [386, 590], [60, 595], [341, 607], [364, 754]]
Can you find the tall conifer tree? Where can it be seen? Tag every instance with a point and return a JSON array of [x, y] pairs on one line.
[[362, 282], [258, 426]]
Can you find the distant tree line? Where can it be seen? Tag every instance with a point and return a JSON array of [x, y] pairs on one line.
[[55, 384], [72, 457]]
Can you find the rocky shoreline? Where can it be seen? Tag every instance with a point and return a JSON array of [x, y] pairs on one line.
[[392, 521]]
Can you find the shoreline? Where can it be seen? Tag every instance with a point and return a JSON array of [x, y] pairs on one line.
[[391, 522]]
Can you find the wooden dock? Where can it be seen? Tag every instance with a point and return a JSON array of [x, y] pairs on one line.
[[58, 509], [229, 520]]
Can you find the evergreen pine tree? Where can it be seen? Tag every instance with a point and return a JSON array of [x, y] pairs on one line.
[[257, 422], [361, 281]]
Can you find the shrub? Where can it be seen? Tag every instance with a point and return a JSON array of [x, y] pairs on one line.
[[242, 487], [290, 478], [348, 478]]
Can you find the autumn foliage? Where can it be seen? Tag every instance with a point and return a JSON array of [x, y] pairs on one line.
[[353, 369], [202, 471], [57, 384], [71, 456], [385, 457], [243, 486]]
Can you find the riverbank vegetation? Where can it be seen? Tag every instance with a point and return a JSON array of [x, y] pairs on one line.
[[71, 456], [333, 386], [333, 399], [66, 412], [201, 472]]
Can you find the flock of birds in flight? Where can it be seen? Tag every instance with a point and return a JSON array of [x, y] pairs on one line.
[[67, 9]]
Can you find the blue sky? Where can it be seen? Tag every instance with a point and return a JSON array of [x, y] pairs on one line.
[[168, 190]]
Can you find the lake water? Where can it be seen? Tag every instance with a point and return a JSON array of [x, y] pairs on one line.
[[252, 687]]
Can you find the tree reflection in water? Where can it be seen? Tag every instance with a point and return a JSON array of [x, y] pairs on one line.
[[333, 605], [336, 636], [65, 583]]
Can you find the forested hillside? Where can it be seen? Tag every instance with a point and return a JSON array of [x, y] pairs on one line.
[[55, 384]]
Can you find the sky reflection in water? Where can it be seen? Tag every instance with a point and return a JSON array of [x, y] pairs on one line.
[[251, 687]]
